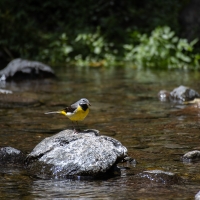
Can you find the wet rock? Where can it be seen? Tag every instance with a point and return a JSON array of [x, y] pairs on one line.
[[68, 154], [159, 177], [11, 156], [197, 196], [184, 93], [191, 156], [3, 91], [19, 69], [179, 94], [163, 95], [130, 161]]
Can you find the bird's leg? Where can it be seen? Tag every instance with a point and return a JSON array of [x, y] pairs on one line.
[[72, 124], [78, 128], [73, 127], [75, 131]]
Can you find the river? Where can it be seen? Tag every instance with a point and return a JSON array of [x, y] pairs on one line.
[[125, 106]]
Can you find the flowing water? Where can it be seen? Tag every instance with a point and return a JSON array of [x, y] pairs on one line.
[[124, 106]]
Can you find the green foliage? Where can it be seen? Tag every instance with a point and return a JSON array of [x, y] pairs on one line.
[[162, 49], [85, 49], [100, 33], [94, 50], [57, 50]]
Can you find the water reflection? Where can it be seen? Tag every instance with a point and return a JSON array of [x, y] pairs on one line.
[[124, 106]]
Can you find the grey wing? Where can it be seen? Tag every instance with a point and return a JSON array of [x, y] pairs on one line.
[[74, 105]]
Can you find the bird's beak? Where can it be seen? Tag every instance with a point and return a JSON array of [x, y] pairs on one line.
[[89, 104]]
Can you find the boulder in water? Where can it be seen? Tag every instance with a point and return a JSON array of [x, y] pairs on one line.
[[19, 69], [68, 154]]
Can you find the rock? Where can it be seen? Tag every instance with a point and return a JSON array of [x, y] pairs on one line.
[[11, 156], [159, 177], [130, 161], [179, 94], [3, 78], [68, 154], [163, 95], [191, 156], [197, 196], [2, 91], [18, 69], [184, 94]]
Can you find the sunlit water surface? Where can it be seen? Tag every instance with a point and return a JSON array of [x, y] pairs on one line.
[[124, 106]]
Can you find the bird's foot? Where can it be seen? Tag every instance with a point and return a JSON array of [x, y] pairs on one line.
[[76, 131]]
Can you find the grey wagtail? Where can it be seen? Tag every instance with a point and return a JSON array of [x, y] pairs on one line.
[[76, 112]]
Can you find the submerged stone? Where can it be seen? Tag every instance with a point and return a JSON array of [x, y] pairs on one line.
[[19, 69], [184, 93], [68, 154], [179, 94], [3, 91], [191, 156], [163, 95], [11, 156], [159, 177]]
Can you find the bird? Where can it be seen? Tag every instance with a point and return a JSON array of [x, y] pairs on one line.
[[76, 112]]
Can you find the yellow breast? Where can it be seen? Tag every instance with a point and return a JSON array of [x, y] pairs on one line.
[[78, 115]]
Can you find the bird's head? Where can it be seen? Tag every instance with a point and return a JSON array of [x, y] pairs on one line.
[[84, 101]]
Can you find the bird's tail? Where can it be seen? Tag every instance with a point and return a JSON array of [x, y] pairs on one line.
[[53, 112], [56, 112]]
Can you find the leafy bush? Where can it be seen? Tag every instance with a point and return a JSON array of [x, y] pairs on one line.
[[95, 51], [161, 49], [66, 31], [57, 50]]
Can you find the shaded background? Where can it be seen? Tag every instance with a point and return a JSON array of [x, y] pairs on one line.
[[47, 30]]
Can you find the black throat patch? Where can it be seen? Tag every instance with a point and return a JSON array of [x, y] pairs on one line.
[[84, 106]]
